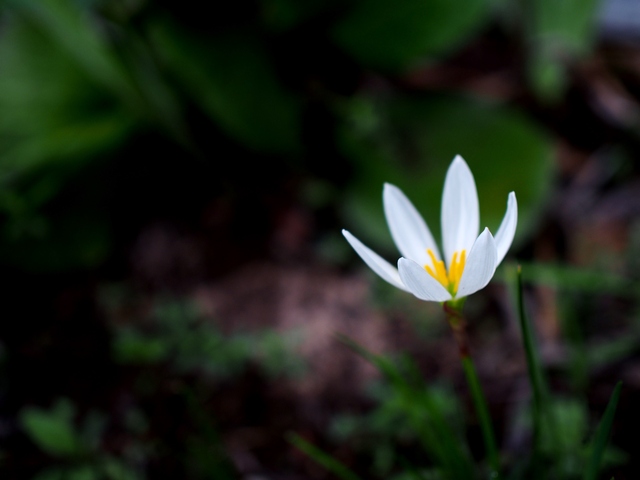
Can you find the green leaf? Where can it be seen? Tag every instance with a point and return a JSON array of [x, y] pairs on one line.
[[570, 419], [66, 146], [70, 28], [322, 458], [601, 437], [282, 15], [52, 430], [396, 35], [558, 33], [230, 77], [60, 121], [130, 347], [57, 110]]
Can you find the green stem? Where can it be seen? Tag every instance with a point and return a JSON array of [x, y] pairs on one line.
[[456, 320], [542, 412], [533, 363]]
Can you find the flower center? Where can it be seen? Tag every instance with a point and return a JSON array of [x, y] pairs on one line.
[[450, 280]]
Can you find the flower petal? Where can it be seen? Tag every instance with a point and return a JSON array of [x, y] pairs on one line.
[[408, 229], [460, 212], [480, 266], [420, 283], [507, 229], [378, 264]]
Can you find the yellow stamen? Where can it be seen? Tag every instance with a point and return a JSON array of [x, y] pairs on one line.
[[452, 267], [440, 273], [450, 281], [455, 270]]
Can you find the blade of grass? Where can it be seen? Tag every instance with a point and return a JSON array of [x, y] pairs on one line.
[[534, 368], [437, 437], [324, 459], [601, 437], [484, 418], [541, 402], [579, 279]]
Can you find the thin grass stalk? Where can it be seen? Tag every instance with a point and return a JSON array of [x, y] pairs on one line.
[[601, 437], [436, 436], [541, 402], [327, 461]]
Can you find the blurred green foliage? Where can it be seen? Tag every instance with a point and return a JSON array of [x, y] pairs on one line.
[[397, 35], [236, 85], [409, 409], [85, 80], [556, 34], [77, 449], [326, 91], [407, 412], [174, 348], [178, 335], [394, 424], [53, 431]]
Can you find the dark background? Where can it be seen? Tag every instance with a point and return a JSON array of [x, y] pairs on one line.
[[174, 177]]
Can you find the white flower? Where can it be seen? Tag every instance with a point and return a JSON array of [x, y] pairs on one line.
[[469, 261]]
